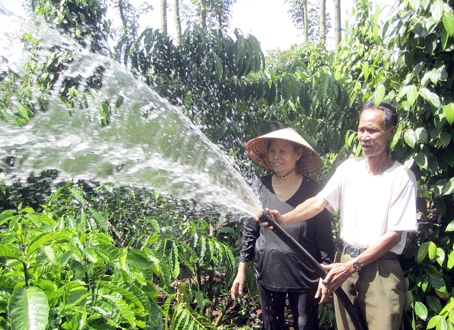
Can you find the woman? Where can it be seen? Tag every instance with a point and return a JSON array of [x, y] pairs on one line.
[[279, 272]]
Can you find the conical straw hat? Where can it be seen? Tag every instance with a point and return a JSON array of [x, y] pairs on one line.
[[257, 150]]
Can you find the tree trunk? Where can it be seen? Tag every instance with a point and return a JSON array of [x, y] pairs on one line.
[[323, 20], [164, 16], [306, 23], [203, 14], [337, 24], [176, 4], [220, 13]]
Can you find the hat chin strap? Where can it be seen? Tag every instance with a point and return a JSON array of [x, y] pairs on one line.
[[283, 176]]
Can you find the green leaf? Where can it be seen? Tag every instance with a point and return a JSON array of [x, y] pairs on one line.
[[445, 138], [437, 10], [272, 95], [434, 303], [6, 216], [240, 51], [403, 91], [410, 137], [450, 226], [218, 69], [448, 23], [421, 310], [100, 219], [422, 252], [124, 309], [450, 260], [39, 241], [432, 75], [412, 95], [90, 254], [438, 187], [440, 256], [432, 250], [23, 111], [434, 321], [28, 309], [448, 112], [421, 160], [449, 307], [78, 194], [422, 134], [365, 69], [415, 4], [287, 88], [7, 252], [444, 39], [379, 94], [448, 156], [107, 251], [396, 136], [139, 260], [125, 291], [430, 97], [448, 188]]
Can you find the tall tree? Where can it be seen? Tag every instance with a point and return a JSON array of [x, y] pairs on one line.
[[337, 24], [164, 16], [323, 20], [176, 4], [305, 15], [298, 14], [203, 13]]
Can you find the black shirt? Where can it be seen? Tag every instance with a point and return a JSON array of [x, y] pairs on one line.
[[277, 267]]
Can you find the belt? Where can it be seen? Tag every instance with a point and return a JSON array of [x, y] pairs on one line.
[[356, 251]]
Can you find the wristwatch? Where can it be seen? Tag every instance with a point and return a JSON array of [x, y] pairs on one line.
[[356, 264]]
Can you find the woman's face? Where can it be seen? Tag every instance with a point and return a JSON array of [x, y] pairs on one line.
[[282, 156]]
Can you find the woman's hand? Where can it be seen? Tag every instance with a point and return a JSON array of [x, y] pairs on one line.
[[237, 288], [322, 292], [274, 214]]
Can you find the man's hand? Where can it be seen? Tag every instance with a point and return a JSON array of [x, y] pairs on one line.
[[337, 274], [323, 292]]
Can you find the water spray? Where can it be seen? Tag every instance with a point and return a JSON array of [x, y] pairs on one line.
[[309, 260]]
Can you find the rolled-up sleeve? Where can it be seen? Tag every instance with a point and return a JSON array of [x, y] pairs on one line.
[[251, 232]]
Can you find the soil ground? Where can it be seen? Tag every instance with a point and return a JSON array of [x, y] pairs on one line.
[[241, 317]]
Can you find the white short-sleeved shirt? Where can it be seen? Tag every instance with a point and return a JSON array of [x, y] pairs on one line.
[[371, 205]]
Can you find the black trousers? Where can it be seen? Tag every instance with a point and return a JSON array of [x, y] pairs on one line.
[[303, 305]]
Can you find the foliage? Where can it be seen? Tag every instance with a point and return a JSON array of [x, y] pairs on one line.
[[129, 16], [300, 10], [82, 20], [98, 253], [78, 274], [212, 15], [201, 74], [409, 62], [68, 261]]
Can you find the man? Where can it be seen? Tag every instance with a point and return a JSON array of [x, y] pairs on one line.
[[376, 198]]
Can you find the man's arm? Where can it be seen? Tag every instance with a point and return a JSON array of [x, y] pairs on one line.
[[304, 211], [338, 273]]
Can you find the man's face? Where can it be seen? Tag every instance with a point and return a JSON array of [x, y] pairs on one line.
[[373, 135]]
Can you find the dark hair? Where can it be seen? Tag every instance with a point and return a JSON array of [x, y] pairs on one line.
[[295, 147], [388, 109]]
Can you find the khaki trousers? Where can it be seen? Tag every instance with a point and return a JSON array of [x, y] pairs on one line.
[[377, 291]]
